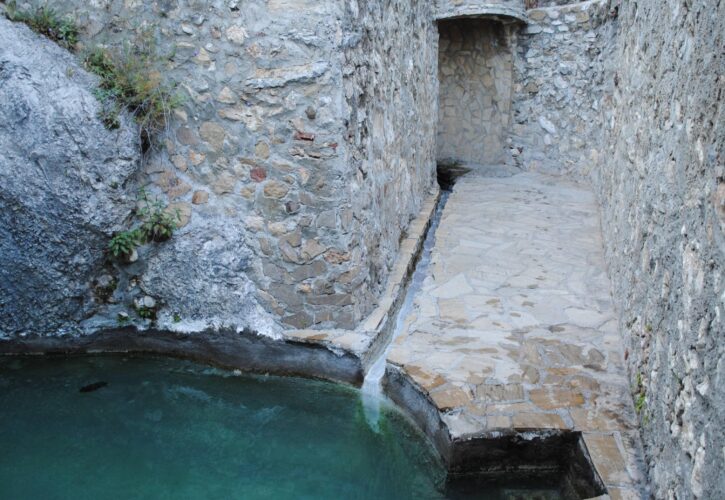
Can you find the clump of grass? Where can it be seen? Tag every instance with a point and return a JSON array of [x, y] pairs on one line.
[[122, 318], [46, 21], [146, 312], [640, 400], [130, 81]]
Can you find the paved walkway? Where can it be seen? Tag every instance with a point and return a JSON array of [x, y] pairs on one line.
[[515, 326]]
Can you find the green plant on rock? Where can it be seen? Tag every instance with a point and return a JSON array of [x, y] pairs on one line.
[[123, 244], [104, 288], [157, 223], [110, 111], [99, 61], [640, 402], [130, 80], [46, 21], [146, 307], [146, 312]]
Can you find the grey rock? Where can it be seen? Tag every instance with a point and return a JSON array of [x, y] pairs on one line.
[[66, 183], [204, 274], [294, 74], [560, 82], [146, 302], [547, 125]]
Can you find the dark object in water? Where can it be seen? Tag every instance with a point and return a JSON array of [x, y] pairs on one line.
[[93, 387]]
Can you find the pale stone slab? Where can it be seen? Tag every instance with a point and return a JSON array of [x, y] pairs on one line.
[[514, 327]]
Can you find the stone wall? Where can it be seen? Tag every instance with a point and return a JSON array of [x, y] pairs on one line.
[[661, 184], [475, 74], [390, 92], [273, 161], [560, 80], [244, 157]]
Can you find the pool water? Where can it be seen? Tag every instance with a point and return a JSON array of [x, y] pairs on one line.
[[165, 428]]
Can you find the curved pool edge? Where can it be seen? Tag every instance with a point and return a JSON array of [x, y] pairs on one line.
[[246, 351], [491, 452], [533, 451]]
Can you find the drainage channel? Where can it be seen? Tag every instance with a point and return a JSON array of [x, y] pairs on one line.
[[372, 392]]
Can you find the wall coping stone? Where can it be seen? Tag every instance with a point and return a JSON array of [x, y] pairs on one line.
[[499, 12]]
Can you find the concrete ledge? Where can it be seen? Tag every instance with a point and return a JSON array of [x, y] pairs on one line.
[[245, 351], [380, 323], [593, 461]]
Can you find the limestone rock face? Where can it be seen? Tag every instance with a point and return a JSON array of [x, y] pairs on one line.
[[66, 184], [202, 277]]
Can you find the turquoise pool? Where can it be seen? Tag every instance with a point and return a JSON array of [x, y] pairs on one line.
[[173, 429]]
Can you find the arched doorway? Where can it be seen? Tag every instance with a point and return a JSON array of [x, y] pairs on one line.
[[475, 71]]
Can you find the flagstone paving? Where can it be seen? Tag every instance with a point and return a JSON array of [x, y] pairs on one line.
[[515, 327]]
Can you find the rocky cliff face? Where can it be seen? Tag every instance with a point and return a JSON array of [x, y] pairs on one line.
[[66, 184]]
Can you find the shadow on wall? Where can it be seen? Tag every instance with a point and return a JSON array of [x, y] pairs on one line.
[[475, 70]]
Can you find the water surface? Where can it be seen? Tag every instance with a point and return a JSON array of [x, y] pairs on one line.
[[173, 429], [166, 428]]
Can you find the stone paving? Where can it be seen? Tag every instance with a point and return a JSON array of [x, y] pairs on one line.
[[515, 328]]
